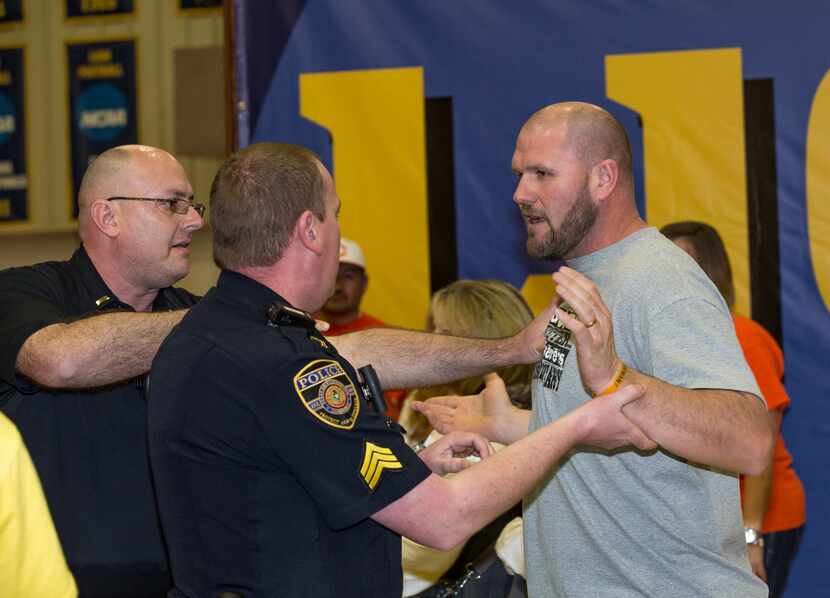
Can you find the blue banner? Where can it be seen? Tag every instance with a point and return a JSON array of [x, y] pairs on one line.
[[415, 107], [11, 11], [102, 102], [13, 171]]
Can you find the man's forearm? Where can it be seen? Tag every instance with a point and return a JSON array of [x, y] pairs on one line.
[[510, 474], [721, 428], [443, 512], [95, 351], [406, 359], [461, 505]]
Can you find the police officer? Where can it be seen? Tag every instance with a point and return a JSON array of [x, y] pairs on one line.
[[274, 477], [74, 337]]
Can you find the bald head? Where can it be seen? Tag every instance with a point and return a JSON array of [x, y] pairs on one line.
[[109, 170], [592, 133]]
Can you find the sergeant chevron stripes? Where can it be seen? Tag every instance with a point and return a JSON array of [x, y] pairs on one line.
[[375, 460]]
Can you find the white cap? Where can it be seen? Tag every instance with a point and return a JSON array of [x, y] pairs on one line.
[[351, 253]]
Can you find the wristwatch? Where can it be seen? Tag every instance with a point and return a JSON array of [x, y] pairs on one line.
[[753, 536]]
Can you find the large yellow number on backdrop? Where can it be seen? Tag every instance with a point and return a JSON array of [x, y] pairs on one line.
[[538, 290], [376, 119], [818, 187], [691, 104]]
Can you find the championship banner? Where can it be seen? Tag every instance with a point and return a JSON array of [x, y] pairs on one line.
[[102, 102], [415, 107], [11, 11], [97, 8], [13, 175]]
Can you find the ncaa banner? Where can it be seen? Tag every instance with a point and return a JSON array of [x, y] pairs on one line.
[[11, 11], [97, 8], [13, 175], [102, 102], [415, 107]]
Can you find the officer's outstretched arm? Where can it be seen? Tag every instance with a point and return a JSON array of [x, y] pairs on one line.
[[409, 359], [442, 512], [96, 351]]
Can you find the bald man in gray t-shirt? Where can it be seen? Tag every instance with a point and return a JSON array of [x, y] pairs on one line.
[[641, 313], [633, 524]]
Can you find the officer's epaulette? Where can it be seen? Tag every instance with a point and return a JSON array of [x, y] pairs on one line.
[[280, 314]]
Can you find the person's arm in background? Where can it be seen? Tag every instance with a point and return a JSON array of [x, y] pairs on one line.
[[722, 428], [489, 413], [757, 489], [766, 361], [407, 359]]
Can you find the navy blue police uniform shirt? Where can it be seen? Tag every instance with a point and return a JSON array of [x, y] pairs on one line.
[[267, 460], [89, 446]]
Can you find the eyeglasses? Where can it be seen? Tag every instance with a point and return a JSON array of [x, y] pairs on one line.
[[177, 205]]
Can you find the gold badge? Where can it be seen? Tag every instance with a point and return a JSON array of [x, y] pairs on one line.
[[326, 390], [377, 459]]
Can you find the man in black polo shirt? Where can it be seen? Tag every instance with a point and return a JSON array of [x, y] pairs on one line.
[[274, 477], [75, 337]]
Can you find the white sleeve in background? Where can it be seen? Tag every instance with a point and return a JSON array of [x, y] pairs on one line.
[[510, 547]]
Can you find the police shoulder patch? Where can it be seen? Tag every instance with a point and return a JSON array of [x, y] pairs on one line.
[[377, 459], [326, 390]]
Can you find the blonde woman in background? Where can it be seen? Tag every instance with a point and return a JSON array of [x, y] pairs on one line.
[[478, 309], [474, 309]]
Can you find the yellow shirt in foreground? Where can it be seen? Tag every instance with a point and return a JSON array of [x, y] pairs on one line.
[[32, 564]]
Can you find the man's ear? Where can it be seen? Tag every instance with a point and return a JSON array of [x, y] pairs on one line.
[[307, 231], [604, 178], [105, 217]]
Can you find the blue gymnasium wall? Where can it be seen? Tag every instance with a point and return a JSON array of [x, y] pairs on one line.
[[498, 62]]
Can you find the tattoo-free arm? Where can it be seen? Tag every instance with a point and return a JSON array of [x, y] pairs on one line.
[[407, 359], [757, 487], [441, 512], [723, 428], [756, 495], [95, 351]]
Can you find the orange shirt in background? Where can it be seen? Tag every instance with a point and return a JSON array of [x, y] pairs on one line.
[[786, 508]]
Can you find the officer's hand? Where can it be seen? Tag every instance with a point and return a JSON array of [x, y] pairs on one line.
[[449, 454], [530, 342], [600, 422]]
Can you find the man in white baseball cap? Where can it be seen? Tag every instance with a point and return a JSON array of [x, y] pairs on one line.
[[342, 310]]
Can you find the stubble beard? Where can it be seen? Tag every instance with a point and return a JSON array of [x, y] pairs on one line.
[[558, 243]]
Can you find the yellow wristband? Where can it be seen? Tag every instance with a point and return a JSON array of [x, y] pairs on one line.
[[616, 381]]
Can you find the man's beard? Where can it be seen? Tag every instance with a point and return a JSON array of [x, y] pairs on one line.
[[558, 243]]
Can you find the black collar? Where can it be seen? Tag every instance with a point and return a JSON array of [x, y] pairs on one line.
[[247, 291], [101, 297]]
